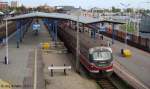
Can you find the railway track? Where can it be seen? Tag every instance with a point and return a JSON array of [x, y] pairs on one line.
[[105, 83]]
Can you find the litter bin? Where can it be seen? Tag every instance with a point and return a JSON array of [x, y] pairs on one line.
[[122, 51], [5, 60]]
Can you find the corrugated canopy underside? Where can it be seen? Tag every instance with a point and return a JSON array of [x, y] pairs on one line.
[[82, 19]]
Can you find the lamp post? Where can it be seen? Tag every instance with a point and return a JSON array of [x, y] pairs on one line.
[[126, 6], [6, 57], [78, 43]]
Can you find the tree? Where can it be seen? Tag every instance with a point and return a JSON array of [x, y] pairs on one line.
[[129, 10], [115, 9]]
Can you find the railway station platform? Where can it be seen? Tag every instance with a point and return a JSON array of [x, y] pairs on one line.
[[135, 69], [19, 68], [16, 71], [60, 81], [138, 64]]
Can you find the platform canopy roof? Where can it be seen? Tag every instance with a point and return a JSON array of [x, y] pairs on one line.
[[1, 13], [82, 19]]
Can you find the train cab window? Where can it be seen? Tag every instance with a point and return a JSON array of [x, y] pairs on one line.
[[103, 55]]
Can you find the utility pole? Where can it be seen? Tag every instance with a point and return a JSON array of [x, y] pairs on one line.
[[6, 57], [78, 42], [126, 6]]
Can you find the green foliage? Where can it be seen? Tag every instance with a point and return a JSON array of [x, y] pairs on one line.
[[116, 9], [130, 28], [129, 10]]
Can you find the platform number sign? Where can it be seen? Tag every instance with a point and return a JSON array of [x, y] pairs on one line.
[[102, 29], [36, 26]]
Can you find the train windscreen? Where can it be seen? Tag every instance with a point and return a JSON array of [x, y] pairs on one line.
[[101, 55]]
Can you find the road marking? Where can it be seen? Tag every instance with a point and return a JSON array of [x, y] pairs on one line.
[[35, 69]]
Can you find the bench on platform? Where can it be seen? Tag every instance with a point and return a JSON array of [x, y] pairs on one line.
[[51, 68]]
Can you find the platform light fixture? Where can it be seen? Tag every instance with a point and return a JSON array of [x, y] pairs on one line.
[[6, 56], [126, 6]]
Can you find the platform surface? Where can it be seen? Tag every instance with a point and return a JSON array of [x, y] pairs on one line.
[[17, 70], [138, 64], [60, 81]]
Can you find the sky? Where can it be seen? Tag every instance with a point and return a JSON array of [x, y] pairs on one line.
[[87, 4]]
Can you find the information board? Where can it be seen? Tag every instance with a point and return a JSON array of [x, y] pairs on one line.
[[36, 27]]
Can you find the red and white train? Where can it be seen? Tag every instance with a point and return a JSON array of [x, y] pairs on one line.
[[95, 56]]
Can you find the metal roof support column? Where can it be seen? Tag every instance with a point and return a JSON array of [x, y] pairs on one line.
[[91, 32], [56, 24], [83, 27], [24, 24], [46, 22], [53, 30], [27, 25], [17, 33], [113, 35], [75, 26], [69, 24], [24, 28], [53, 27], [21, 28], [50, 28], [94, 34]]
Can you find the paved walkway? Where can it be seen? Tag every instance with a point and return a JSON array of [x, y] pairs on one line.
[[18, 57], [59, 80]]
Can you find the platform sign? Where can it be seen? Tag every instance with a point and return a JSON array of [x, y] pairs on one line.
[[128, 37], [36, 26], [102, 29]]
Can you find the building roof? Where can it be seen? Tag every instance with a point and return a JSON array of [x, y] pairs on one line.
[[82, 19], [66, 8], [112, 21]]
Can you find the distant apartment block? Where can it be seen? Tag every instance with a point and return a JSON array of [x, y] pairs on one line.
[[3, 5], [145, 24], [14, 4]]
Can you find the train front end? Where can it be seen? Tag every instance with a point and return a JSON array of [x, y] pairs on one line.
[[101, 61]]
